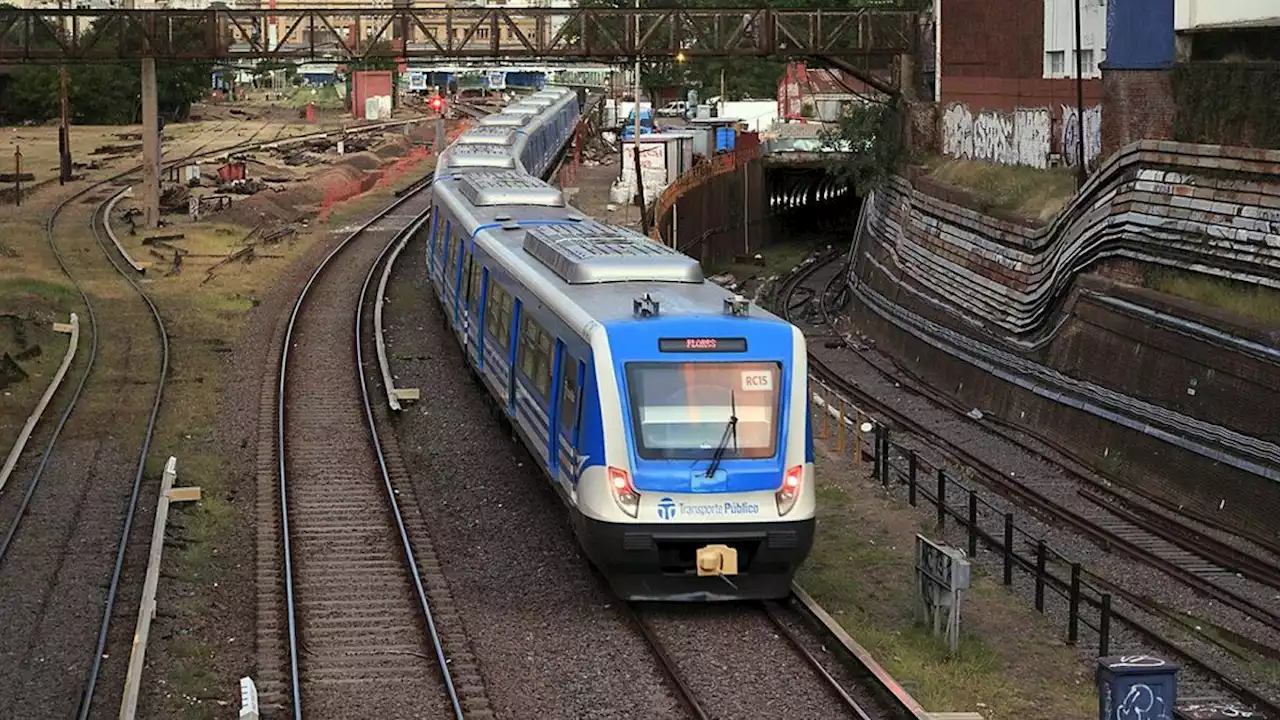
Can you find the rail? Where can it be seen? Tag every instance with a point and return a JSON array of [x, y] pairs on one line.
[[21, 442], [147, 606], [864, 658], [410, 557]]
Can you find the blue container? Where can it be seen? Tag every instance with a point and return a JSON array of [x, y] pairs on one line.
[[1136, 686], [1139, 35], [725, 139]]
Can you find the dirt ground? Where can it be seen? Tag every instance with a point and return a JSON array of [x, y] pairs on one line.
[[202, 640]]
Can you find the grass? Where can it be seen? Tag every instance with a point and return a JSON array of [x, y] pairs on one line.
[[778, 258], [1008, 664], [1247, 300], [325, 97], [1024, 191]]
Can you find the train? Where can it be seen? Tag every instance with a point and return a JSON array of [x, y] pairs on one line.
[[670, 415]]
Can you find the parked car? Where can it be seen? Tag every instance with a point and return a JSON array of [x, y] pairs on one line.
[[675, 108], [646, 124]]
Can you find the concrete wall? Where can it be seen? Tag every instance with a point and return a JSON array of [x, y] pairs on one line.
[[1190, 14]]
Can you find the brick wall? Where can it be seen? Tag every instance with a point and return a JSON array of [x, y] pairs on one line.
[[980, 306], [996, 104], [1140, 106]]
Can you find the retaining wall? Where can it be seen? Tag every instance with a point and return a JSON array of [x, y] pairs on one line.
[[1168, 395]]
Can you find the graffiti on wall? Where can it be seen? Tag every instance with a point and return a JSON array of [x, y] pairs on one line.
[[1021, 137], [1092, 134]]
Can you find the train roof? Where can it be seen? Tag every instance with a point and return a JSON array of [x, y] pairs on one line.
[[478, 156], [488, 135], [503, 119], [587, 270]]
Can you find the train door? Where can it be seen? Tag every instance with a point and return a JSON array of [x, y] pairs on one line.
[[470, 313], [433, 246], [513, 345], [442, 263], [572, 372]]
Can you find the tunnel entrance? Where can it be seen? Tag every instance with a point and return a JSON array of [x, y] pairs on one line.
[[805, 198]]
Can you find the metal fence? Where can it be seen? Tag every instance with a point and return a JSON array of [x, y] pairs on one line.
[[856, 435]]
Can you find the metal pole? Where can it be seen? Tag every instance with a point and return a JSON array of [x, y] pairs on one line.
[[644, 222], [1081, 172], [17, 176], [64, 131]]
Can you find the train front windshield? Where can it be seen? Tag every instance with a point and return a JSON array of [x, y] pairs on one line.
[[683, 410]]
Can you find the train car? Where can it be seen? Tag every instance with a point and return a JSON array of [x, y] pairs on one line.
[[670, 415]]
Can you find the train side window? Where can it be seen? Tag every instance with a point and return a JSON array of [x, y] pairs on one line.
[[443, 246], [498, 315], [473, 284], [491, 312], [536, 348], [568, 393]]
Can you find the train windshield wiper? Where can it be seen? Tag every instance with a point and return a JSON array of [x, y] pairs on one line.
[[730, 431]]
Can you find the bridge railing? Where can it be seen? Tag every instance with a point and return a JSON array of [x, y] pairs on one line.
[[346, 33]]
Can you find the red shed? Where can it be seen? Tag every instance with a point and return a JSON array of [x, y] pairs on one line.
[[366, 84]]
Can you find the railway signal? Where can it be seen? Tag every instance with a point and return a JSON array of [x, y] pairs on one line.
[[436, 103]]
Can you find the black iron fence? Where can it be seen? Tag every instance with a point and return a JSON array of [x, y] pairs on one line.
[[859, 436]]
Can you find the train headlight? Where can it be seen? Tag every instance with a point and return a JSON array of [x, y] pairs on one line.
[[790, 489], [624, 493]]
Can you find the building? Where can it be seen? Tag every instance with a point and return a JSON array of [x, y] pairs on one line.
[[808, 94], [1006, 83], [1177, 63]]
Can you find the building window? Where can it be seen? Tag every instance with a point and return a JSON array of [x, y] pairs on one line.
[[1055, 63], [1087, 66]]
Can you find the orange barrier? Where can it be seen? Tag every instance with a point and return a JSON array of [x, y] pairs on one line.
[[340, 191]]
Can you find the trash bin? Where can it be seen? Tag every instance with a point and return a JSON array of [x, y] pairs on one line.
[[1136, 686]]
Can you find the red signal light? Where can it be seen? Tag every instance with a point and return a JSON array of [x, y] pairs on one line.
[[436, 103]]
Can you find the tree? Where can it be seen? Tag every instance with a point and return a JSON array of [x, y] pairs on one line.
[[105, 92], [870, 138]]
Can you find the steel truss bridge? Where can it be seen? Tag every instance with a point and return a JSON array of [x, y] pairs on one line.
[[343, 33]]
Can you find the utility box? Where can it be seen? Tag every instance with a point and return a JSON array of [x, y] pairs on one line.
[[1136, 686]]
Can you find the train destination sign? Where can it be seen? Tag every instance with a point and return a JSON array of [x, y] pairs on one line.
[[695, 345]]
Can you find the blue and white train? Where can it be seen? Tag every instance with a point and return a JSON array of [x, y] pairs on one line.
[[670, 415]]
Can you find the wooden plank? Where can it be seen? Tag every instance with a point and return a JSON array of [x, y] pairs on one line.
[[147, 607], [74, 328], [185, 494], [393, 395], [408, 394]]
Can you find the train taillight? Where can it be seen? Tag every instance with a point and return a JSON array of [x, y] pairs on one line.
[[790, 489], [624, 493]]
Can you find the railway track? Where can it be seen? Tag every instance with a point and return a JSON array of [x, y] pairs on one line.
[[866, 693], [360, 593], [1201, 562], [84, 532]]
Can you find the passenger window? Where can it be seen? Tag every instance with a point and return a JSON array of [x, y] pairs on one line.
[[536, 346], [442, 246], [473, 284], [498, 315], [568, 393]]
